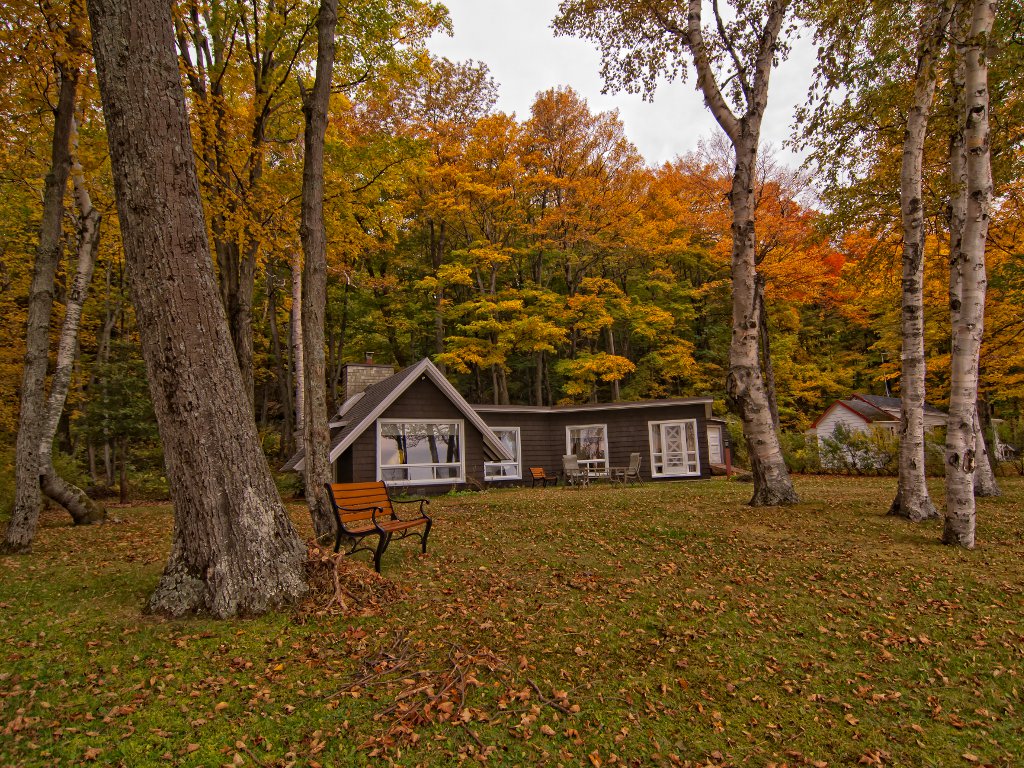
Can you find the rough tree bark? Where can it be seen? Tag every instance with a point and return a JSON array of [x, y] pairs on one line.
[[28, 497], [912, 500], [745, 384], [962, 428], [82, 509], [316, 436], [984, 478], [298, 357], [234, 550]]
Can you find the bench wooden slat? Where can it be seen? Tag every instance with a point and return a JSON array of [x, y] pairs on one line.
[[365, 509], [539, 475]]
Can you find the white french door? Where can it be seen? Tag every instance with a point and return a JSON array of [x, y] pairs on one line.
[[674, 448]]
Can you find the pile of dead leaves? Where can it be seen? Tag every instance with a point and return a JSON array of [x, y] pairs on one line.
[[339, 585]]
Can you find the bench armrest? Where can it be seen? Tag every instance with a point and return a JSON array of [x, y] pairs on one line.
[[363, 508], [421, 502]]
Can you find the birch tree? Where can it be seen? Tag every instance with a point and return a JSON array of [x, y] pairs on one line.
[[984, 478], [82, 509], [733, 60], [912, 500], [234, 550], [969, 307], [28, 462]]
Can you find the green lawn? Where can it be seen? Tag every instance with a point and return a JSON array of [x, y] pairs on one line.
[[662, 625]]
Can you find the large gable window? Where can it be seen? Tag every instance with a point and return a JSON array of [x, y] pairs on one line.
[[589, 443], [674, 448], [419, 452], [505, 470]]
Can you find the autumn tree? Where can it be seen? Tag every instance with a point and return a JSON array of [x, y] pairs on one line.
[[234, 549], [316, 435], [733, 61]]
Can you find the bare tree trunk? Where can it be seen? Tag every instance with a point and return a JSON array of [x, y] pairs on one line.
[[962, 428], [298, 357], [281, 369], [21, 529], [316, 436], [912, 500], [234, 549], [122, 480], [745, 385], [82, 509], [538, 380], [616, 390]]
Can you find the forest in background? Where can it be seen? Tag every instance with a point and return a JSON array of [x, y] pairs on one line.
[[538, 258]]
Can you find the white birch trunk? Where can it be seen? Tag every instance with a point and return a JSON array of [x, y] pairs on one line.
[[912, 500], [83, 510], [745, 384], [984, 478], [961, 432]]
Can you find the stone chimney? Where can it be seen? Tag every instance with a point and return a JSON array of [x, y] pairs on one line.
[[358, 376]]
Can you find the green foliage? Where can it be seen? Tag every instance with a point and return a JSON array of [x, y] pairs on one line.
[[119, 408], [851, 451], [802, 453]]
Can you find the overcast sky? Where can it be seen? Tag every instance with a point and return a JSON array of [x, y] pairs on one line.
[[514, 39]]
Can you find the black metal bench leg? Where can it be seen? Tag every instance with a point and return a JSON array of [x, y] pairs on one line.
[[382, 546], [426, 533]]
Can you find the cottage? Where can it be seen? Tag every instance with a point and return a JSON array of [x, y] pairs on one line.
[[864, 413], [414, 429]]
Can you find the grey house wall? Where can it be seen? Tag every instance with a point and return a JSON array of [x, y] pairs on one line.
[[542, 434]]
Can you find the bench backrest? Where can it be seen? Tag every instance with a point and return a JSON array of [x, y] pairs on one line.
[[360, 498], [538, 473]]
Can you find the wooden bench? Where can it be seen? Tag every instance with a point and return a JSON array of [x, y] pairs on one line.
[[538, 475], [366, 509]]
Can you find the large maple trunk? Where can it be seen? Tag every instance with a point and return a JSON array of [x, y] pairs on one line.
[[82, 509], [21, 529], [912, 500], [962, 428], [316, 436], [234, 550], [745, 384]]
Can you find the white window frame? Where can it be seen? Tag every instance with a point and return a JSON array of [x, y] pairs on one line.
[[436, 481], [655, 472], [516, 466], [595, 467]]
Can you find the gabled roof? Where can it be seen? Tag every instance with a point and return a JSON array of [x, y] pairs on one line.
[[864, 410], [358, 413], [892, 403]]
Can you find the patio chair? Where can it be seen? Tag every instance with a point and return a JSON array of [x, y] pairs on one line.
[[574, 473], [631, 473]]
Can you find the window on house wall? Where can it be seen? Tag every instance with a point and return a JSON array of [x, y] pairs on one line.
[[505, 470], [589, 443], [419, 452], [674, 451]]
